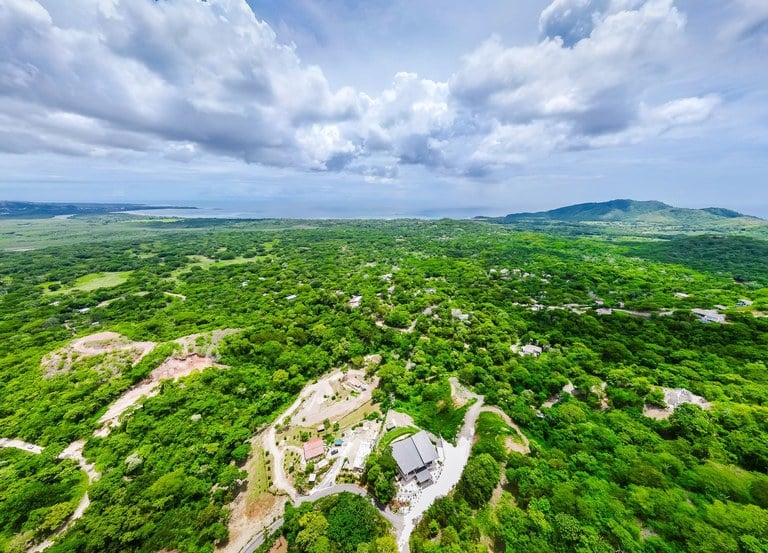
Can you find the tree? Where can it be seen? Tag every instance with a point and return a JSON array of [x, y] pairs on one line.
[[313, 527], [479, 479]]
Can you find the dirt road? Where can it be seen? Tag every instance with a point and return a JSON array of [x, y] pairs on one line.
[[525, 447], [18, 444]]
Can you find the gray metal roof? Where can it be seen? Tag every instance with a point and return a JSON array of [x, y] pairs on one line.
[[414, 452], [426, 448], [423, 476]]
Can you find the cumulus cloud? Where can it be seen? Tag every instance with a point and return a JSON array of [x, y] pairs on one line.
[[205, 73], [185, 77]]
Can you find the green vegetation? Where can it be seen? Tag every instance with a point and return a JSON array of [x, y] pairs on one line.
[[394, 434], [379, 475], [88, 283], [490, 432], [259, 470], [343, 523], [37, 494], [600, 475], [418, 393], [739, 257]]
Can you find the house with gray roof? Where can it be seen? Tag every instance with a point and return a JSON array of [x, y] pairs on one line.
[[414, 456]]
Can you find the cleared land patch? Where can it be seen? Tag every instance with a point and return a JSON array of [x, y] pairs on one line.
[[206, 263], [205, 343], [674, 397], [90, 282], [114, 350]]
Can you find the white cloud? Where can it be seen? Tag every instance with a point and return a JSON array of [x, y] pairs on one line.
[[748, 23], [186, 78], [203, 73]]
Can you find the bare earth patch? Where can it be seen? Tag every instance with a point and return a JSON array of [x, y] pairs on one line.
[[523, 446], [250, 517], [280, 546], [205, 343], [116, 348], [674, 397], [319, 404], [458, 394], [172, 368]]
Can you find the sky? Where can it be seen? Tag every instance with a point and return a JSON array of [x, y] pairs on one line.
[[394, 107]]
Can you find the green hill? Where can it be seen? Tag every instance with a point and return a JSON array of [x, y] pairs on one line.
[[615, 210], [632, 215]]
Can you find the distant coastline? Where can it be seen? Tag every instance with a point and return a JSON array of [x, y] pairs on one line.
[[65, 210]]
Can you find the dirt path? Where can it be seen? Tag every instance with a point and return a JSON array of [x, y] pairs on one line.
[[18, 444], [114, 345], [172, 368], [318, 405], [459, 394], [512, 445], [73, 452]]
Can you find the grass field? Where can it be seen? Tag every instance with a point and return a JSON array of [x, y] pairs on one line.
[[258, 473], [90, 282], [356, 416], [392, 435], [206, 263]]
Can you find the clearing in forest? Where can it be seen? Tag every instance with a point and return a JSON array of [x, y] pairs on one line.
[[258, 506], [90, 282], [206, 343], [673, 397], [172, 368], [116, 350]]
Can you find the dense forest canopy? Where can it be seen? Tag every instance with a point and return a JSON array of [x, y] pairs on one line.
[[439, 299]]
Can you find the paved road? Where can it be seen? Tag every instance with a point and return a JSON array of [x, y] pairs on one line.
[[455, 460], [257, 541]]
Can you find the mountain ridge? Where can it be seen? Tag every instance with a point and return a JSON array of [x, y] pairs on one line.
[[626, 210]]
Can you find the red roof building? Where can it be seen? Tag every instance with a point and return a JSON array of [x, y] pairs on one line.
[[314, 448]]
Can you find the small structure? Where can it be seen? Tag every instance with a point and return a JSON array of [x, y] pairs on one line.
[[362, 454], [321, 429], [313, 449], [457, 314], [312, 478], [709, 316], [414, 456], [354, 384], [530, 349], [291, 297], [744, 303]]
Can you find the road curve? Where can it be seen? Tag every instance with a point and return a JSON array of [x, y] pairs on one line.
[[402, 524], [395, 520]]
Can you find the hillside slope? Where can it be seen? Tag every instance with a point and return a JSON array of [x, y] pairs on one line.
[[631, 216]]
